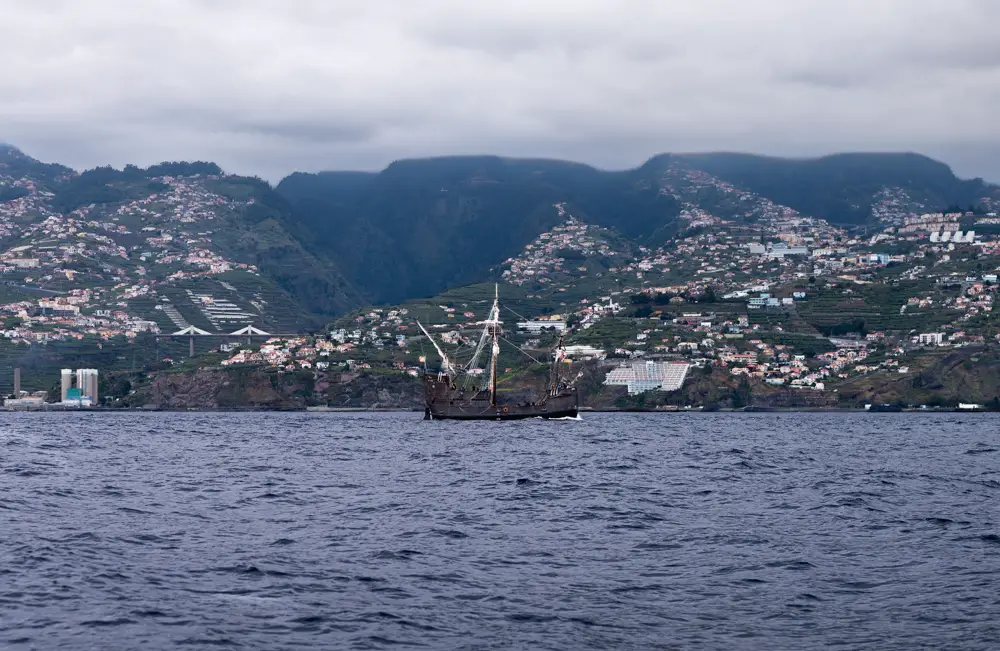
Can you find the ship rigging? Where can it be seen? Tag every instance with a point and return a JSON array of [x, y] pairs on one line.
[[445, 399]]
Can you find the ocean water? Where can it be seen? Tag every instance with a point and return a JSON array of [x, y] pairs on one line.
[[377, 531]]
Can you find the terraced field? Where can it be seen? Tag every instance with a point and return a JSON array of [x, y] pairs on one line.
[[224, 303], [875, 307]]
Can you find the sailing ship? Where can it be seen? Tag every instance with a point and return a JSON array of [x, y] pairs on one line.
[[470, 393]]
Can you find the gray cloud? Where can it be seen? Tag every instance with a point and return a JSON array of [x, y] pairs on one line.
[[271, 86]]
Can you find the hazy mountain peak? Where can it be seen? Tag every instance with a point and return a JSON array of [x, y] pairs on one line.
[[10, 151]]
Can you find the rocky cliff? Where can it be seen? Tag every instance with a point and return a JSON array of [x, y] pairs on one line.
[[937, 380], [226, 389]]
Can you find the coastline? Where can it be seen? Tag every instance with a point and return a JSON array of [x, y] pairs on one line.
[[583, 410]]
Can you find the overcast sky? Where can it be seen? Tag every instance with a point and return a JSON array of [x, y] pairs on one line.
[[268, 87]]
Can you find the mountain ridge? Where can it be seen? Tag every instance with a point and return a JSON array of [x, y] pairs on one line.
[[414, 197], [774, 255], [335, 240]]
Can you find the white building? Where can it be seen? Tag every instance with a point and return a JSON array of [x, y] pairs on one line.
[[930, 338], [85, 393], [779, 251], [647, 376], [535, 327], [66, 383], [86, 381], [955, 237], [580, 352]]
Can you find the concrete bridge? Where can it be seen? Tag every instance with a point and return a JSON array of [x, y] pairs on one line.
[[192, 333]]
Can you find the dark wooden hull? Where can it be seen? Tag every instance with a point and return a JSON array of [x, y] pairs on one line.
[[442, 402]]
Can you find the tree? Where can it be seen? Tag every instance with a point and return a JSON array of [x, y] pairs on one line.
[[741, 394], [570, 254], [662, 298], [11, 193], [643, 312]]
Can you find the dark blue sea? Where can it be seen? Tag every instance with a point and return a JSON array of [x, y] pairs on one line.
[[382, 531]]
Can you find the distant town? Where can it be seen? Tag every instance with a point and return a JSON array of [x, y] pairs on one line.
[[743, 286]]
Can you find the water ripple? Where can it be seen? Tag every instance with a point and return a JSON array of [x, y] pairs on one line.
[[376, 531]]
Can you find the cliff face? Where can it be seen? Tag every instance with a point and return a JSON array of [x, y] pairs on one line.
[[227, 389], [937, 379], [943, 378], [257, 388], [373, 390]]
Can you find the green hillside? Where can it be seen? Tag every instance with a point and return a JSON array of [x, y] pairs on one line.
[[421, 226], [840, 188], [334, 241], [240, 219]]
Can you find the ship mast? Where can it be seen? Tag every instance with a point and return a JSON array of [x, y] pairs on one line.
[[446, 364], [493, 327], [558, 355]]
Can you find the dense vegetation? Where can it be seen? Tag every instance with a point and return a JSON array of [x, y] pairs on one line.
[[338, 240], [109, 185], [421, 226], [15, 163], [840, 188], [259, 235]]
